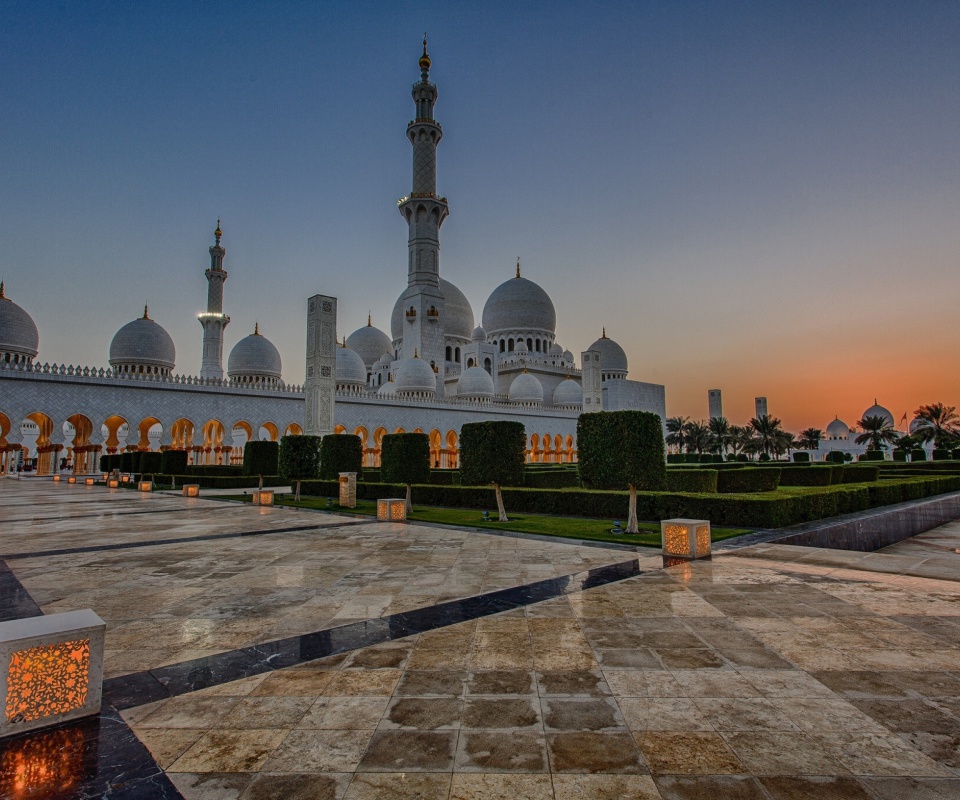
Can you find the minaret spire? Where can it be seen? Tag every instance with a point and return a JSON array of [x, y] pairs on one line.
[[213, 320]]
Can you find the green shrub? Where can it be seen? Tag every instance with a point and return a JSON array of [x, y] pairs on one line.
[[173, 462], [261, 458], [692, 480], [860, 473], [764, 457], [340, 452], [940, 454], [835, 456], [872, 455], [899, 454], [150, 462], [445, 477], [812, 475], [130, 461], [109, 463], [918, 454], [405, 458], [369, 475], [299, 458], [742, 458], [550, 479], [801, 458], [675, 458], [492, 452], [836, 473], [621, 448], [753, 479]]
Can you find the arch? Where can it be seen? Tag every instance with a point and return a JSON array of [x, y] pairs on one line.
[[39, 427], [558, 449], [293, 429], [81, 453], [269, 432], [570, 453], [399, 430], [181, 434], [533, 454], [436, 450], [338, 429], [110, 431], [510, 345], [4, 428], [502, 346], [488, 365], [453, 450], [449, 353], [470, 363], [210, 451], [456, 354], [139, 435]]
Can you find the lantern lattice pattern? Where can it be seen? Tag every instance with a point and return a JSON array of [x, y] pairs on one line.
[[685, 538], [47, 680], [71, 479], [145, 486], [391, 509], [89, 481], [263, 497], [191, 490], [113, 483]]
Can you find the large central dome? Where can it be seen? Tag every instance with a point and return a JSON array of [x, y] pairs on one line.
[[19, 338], [143, 346], [519, 305]]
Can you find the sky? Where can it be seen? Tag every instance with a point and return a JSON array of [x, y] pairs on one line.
[[760, 197]]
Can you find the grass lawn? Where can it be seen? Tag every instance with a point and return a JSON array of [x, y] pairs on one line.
[[567, 527]]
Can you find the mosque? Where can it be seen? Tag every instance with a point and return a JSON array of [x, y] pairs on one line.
[[436, 370]]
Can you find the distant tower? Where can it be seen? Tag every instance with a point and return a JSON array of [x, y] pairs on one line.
[[716, 404], [424, 212], [591, 376], [761, 406], [213, 319]]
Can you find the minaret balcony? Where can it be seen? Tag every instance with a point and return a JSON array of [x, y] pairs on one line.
[[432, 314], [411, 315]]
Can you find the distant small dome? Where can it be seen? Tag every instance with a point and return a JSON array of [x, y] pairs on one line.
[[612, 357], [369, 343], [351, 370], [519, 305], [838, 428], [19, 338], [415, 375], [254, 359], [526, 389], [556, 350], [385, 360], [878, 411], [475, 382], [479, 334], [389, 389], [916, 424], [521, 348], [568, 356], [143, 346], [568, 393], [457, 313]]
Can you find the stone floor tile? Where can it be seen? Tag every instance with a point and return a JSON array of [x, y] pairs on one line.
[[469, 786], [211, 785], [188, 711], [688, 753], [913, 788], [294, 683], [501, 682], [496, 751], [581, 714], [595, 752], [399, 786], [744, 714], [229, 751], [423, 713], [799, 787], [266, 712], [166, 745], [313, 751], [363, 683], [579, 683], [604, 787], [662, 714], [488, 713], [291, 786], [410, 751], [632, 658], [344, 713], [709, 787], [715, 683], [781, 753]]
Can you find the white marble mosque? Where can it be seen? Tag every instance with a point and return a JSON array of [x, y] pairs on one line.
[[435, 371]]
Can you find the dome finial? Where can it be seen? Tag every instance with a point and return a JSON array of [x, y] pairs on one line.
[[146, 311], [518, 266], [344, 343], [369, 320], [604, 335], [415, 353], [424, 59], [2, 296], [256, 328], [218, 233]]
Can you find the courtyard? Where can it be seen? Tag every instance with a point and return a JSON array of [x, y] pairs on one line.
[[257, 653]]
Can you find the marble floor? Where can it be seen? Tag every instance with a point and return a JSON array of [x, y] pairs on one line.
[[749, 676]]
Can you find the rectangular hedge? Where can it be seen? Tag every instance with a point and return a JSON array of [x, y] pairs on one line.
[[754, 479], [221, 481], [811, 475], [702, 481], [860, 473]]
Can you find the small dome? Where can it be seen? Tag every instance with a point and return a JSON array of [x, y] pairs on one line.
[[837, 428], [568, 356], [556, 350], [568, 393], [18, 331], [143, 343], [350, 368], [478, 335], [878, 411], [369, 343], [254, 357], [519, 305], [526, 389], [475, 382], [416, 375], [386, 360], [521, 348], [612, 357], [915, 424], [457, 313], [389, 389]]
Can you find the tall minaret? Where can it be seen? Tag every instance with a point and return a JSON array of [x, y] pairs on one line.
[[424, 212], [213, 319]]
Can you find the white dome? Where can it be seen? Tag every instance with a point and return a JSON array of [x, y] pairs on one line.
[[142, 343], [568, 393], [389, 389], [838, 428], [18, 331], [915, 425], [526, 389], [350, 368], [254, 356], [386, 360], [878, 411], [521, 348], [457, 313], [475, 382], [568, 356], [612, 357], [556, 350], [519, 305], [416, 375], [478, 335], [370, 344]]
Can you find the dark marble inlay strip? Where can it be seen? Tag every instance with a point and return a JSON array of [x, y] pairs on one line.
[[99, 548], [127, 691], [15, 601], [108, 513]]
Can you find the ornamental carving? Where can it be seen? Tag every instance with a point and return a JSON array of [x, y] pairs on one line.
[[47, 680]]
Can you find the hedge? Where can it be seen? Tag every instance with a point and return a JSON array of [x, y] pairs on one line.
[[110, 462], [405, 458], [918, 454], [370, 475], [940, 454], [812, 475], [492, 452], [872, 455], [675, 458], [261, 458], [340, 452], [860, 473], [299, 458], [621, 448], [799, 458], [955, 455], [150, 462], [173, 462], [899, 454], [215, 470], [692, 480], [444, 477], [550, 479], [753, 479], [129, 462]]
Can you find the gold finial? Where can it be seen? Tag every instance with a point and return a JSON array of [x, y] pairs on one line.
[[604, 335], [146, 312], [369, 320], [344, 344], [256, 328], [2, 296], [425, 59], [518, 266], [415, 353], [218, 233]]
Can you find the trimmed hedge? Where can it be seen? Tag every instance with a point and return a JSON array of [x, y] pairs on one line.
[[445, 477], [801, 458], [621, 448], [129, 462], [405, 458], [899, 454], [859, 473], [492, 452], [812, 475], [261, 458], [369, 475], [551, 479], [872, 455], [753, 479], [940, 454], [299, 458], [173, 462], [918, 454], [150, 462], [701, 481], [109, 463], [836, 456], [340, 452]]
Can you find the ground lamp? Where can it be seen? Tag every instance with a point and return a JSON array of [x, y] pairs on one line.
[[89, 481], [72, 479], [56, 479], [126, 479], [145, 486], [685, 538], [113, 483], [391, 509], [191, 490], [348, 489], [51, 669], [263, 497]]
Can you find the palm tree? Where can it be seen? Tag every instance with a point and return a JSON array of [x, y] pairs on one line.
[[739, 438], [939, 423], [697, 435], [810, 438], [721, 434], [878, 430], [770, 437], [675, 432], [787, 443]]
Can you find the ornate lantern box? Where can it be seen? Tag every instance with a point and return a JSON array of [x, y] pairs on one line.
[[113, 483], [685, 538], [71, 479], [145, 486], [191, 490], [90, 481], [391, 509], [263, 497], [56, 479], [126, 479], [51, 670], [348, 489]]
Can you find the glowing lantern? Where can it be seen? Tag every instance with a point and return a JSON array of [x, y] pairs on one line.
[[685, 538], [263, 497], [71, 479], [56, 479], [89, 481], [126, 479], [145, 486], [391, 509], [51, 669], [191, 490], [113, 483]]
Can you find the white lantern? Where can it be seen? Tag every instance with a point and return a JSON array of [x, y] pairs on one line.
[[391, 509], [685, 538]]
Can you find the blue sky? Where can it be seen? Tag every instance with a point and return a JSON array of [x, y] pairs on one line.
[[762, 197]]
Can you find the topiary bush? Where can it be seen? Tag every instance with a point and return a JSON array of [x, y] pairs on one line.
[[955, 454], [150, 463], [940, 454], [860, 473], [873, 455], [405, 458], [675, 458], [692, 480], [752, 479], [918, 454], [173, 462], [129, 461], [899, 454], [801, 458], [261, 458], [835, 456], [812, 475], [340, 452], [550, 479], [493, 452], [299, 460]]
